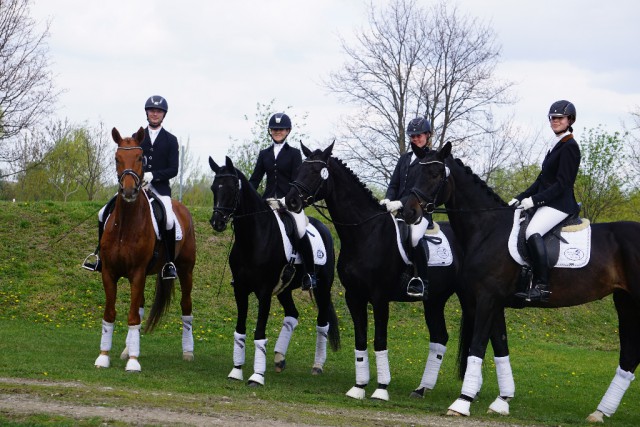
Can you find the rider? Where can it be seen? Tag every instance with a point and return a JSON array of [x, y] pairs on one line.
[[419, 131], [280, 162], [551, 195], [162, 154]]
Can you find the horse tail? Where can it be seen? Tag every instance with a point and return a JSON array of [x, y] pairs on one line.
[[161, 302], [334, 328]]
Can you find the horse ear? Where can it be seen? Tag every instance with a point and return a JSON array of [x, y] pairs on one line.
[[228, 162], [445, 151], [327, 151], [305, 150], [140, 135], [213, 165], [116, 136]]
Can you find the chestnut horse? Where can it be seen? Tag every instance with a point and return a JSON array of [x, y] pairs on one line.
[[130, 248], [481, 222]]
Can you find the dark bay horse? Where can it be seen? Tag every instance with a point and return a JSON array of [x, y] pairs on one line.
[[129, 248], [481, 221], [370, 266], [256, 260]]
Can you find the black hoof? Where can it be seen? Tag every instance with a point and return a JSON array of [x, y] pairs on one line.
[[418, 393]]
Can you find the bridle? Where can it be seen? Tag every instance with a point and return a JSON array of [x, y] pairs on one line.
[[228, 212], [302, 189], [136, 177], [428, 203]]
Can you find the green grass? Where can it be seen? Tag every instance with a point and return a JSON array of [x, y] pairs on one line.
[[50, 313]]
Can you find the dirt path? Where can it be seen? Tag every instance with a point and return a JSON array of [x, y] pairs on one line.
[[24, 397]]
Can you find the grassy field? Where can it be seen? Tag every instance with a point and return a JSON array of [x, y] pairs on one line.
[[50, 313]]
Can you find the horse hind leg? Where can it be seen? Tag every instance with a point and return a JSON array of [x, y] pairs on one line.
[[185, 274], [282, 344]]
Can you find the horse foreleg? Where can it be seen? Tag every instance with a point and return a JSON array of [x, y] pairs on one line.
[[322, 332], [506, 384], [108, 319], [288, 326], [358, 308], [381, 322], [186, 284], [105, 345], [260, 341], [239, 335], [125, 353], [134, 320], [438, 335]]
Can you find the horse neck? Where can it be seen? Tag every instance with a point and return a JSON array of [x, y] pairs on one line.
[[474, 213], [252, 213], [349, 202], [132, 215]]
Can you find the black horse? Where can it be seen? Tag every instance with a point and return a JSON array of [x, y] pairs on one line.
[[370, 266], [256, 260], [479, 217]]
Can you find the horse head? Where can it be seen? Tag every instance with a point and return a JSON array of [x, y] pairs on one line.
[[129, 164], [226, 188], [430, 185], [308, 187]]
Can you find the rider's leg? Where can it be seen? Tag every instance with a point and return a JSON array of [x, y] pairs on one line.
[[306, 251], [92, 262], [420, 258], [169, 236]]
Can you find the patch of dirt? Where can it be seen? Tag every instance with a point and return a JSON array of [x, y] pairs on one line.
[[22, 397]]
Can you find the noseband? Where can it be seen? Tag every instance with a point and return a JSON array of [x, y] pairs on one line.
[[310, 197], [428, 204], [134, 174], [227, 212]]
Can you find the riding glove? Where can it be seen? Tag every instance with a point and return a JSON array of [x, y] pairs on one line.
[[148, 177], [384, 202], [527, 203], [393, 206], [514, 203]]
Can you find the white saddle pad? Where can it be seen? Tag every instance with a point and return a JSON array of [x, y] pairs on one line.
[[155, 223], [317, 244], [573, 254], [440, 255]]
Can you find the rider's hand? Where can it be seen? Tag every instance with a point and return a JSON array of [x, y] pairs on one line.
[[148, 177], [396, 205], [527, 203], [384, 202], [514, 203]]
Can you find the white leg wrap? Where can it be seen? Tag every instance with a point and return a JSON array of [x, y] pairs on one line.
[[187, 333], [362, 367], [107, 336], [141, 313], [260, 359], [288, 325], [239, 347], [382, 367], [322, 332], [432, 367], [506, 385], [611, 399], [133, 341], [472, 377]]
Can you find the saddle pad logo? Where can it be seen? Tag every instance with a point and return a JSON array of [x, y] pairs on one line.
[[442, 253], [574, 254], [320, 254]]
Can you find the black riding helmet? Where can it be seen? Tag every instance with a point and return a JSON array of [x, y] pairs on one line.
[[563, 108], [158, 102], [418, 126], [279, 121]]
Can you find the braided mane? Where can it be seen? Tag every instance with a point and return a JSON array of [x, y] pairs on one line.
[[360, 183], [479, 181]]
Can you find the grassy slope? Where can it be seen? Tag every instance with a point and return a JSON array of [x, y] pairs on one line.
[[563, 359]]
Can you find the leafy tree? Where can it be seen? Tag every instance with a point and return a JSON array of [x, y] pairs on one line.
[[414, 61], [26, 84], [601, 178]]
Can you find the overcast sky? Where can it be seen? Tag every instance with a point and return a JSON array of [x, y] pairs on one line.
[[214, 61]]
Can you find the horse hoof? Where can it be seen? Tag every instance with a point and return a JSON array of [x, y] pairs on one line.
[[125, 353], [596, 417], [133, 366], [356, 393], [460, 407], [316, 370], [187, 356], [380, 394], [255, 380], [102, 361], [235, 374], [280, 362], [499, 406], [418, 393]]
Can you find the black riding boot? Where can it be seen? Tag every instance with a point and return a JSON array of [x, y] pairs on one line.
[[169, 270], [309, 280], [538, 254], [418, 285], [97, 265]]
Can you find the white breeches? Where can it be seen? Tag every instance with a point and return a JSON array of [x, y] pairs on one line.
[[166, 201], [418, 230], [301, 220], [544, 220]]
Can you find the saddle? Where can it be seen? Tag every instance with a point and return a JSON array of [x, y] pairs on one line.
[[157, 209], [290, 227], [551, 240]]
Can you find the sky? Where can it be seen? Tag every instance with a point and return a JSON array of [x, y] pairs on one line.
[[215, 61]]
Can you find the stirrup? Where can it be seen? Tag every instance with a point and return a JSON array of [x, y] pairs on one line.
[[534, 294], [309, 282], [415, 288], [91, 266], [169, 271]]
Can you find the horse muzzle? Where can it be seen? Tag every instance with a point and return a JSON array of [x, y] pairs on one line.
[[217, 223], [293, 201]]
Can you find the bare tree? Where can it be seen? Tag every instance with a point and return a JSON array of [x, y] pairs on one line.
[[414, 61], [27, 92]]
